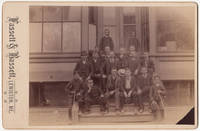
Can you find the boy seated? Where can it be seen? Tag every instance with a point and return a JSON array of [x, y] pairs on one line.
[[112, 88], [144, 83], [156, 95], [128, 88], [92, 96]]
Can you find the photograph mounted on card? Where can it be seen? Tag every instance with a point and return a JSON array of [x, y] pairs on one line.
[[99, 65]]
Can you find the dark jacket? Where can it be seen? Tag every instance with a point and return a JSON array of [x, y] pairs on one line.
[[133, 64], [144, 84], [106, 41], [82, 69]]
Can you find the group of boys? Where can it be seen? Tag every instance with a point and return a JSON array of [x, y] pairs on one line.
[[101, 76]]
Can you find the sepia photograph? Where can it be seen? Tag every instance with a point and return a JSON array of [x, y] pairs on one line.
[[100, 65], [107, 64]]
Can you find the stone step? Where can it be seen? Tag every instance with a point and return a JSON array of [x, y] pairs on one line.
[[113, 117]]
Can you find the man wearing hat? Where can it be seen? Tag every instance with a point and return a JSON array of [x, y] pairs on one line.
[[83, 67], [92, 96], [144, 83], [106, 41]]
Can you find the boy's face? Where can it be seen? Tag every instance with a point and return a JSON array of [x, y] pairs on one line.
[[128, 73], [114, 72], [107, 32], [144, 71], [133, 54], [122, 51], [95, 55], [107, 50], [132, 48]]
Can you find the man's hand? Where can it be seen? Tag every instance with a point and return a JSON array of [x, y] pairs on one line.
[[103, 76], [102, 95], [139, 91]]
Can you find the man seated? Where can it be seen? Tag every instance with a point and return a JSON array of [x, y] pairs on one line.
[[127, 85], [112, 91], [74, 90], [156, 95], [133, 62], [144, 83], [96, 74], [92, 96], [107, 66]]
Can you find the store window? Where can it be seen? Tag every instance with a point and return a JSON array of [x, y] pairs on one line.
[[55, 29], [129, 25], [175, 29]]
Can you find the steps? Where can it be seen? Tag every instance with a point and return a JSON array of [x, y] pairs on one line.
[[130, 114]]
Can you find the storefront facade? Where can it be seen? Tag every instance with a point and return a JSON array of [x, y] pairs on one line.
[[59, 34]]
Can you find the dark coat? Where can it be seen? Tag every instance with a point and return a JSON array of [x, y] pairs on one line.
[[106, 41], [82, 69], [133, 64], [144, 84]]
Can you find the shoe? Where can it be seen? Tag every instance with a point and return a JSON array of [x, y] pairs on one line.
[[141, 110]]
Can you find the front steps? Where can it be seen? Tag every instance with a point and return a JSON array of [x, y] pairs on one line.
[[130, 114]]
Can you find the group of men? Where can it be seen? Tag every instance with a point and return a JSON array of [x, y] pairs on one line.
[[103, 77]]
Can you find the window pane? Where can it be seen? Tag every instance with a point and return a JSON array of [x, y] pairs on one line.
[[109, 15], [52, 13], [52, 37], [129, 15], [175, 32], [72, 13], [35, 37], [71, 37], [128, 33], [35, 14]]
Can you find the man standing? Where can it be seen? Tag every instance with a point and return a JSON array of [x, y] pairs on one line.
[[106, 41], [133, 41]]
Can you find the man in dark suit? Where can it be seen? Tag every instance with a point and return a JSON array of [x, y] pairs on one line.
[[144, 83], [106, 41], [83, 67], [93, 95]]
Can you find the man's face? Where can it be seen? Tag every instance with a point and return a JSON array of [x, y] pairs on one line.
[[114, 72], [107, 32], [132, 48], [122, 51], [144, 71], [90, 84], [83, 58], [95, 55], [128, 73], [107, 50], [133, 54]]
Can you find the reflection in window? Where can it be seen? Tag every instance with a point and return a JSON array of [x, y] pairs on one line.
[[129, 15], [175, 32], [52, 37], [35, 14], [109, 15], [52, 13], [71, 13], [55, 29], [71, 37], [35, 37]]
